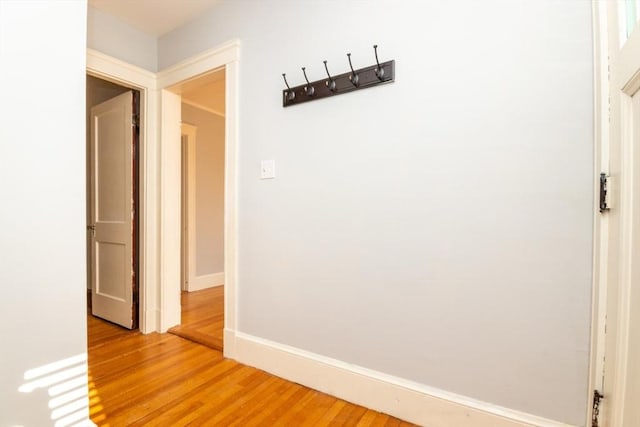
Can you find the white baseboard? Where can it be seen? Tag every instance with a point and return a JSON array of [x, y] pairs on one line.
[[198, 283], [395, 396]]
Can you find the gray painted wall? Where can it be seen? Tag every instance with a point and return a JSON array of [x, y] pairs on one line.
[[209, 189], [42, 171], [116, 38], [439, 228]]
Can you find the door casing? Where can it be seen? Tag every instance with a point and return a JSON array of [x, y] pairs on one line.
[[169, 80], [111, 69], [617, 78], [189, 133]]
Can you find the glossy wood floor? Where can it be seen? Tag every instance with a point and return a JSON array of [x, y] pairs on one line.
[[202, 317], [165, 380]]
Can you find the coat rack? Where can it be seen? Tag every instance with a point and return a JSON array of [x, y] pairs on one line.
[[362, 78]]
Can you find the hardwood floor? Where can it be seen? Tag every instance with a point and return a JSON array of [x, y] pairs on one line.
[[165, 380], [202, 317]]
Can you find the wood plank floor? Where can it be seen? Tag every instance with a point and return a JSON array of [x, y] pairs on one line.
[[202, 317], [165, 380]]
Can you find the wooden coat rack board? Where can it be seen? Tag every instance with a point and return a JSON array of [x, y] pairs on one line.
[[373, 75]]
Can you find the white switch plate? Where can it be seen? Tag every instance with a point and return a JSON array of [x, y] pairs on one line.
[[267, 169]]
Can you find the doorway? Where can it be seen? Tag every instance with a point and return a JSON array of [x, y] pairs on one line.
[[203, 207], [160, 180], [170, 81], [113, 141]]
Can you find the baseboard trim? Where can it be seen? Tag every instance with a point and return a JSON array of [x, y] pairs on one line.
[[395, 396], [198, 283]]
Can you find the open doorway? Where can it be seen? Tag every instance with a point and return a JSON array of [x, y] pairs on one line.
[[113, 140], [202, 199]]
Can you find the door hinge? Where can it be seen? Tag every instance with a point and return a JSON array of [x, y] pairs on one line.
[[135, 120], [597, 398], [604, 193]]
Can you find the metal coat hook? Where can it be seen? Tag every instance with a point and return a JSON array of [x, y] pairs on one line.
[[353, 77], [289, 94], [379, 70], [308, 89], [331, 84]]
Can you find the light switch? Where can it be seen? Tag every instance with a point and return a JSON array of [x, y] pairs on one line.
[[267, 169]]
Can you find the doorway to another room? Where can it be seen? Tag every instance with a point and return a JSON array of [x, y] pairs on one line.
[[202, 228], [113, 142]]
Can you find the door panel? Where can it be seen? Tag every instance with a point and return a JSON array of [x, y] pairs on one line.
[[111, 271], [112, 210], [111, 161]]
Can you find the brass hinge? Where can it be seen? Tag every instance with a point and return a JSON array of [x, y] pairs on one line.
[[597, 398]]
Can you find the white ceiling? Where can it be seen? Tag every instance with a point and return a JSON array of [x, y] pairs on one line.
[[154, 17]]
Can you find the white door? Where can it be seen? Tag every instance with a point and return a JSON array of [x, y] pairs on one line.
[[621, 379], [112, 211]]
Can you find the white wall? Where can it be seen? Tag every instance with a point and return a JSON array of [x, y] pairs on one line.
[[42, 182], [116, 38], [437, 229], [209, 189]]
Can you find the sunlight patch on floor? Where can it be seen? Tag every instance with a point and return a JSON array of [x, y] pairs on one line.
[[96, 410]]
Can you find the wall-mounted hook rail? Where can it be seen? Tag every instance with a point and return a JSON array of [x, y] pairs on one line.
[[362, 78]]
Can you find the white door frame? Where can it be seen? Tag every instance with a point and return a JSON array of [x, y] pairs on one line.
[[601, 221], [227, 56], [624, 81], [188, 256], [114, 70], [612, 244]]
